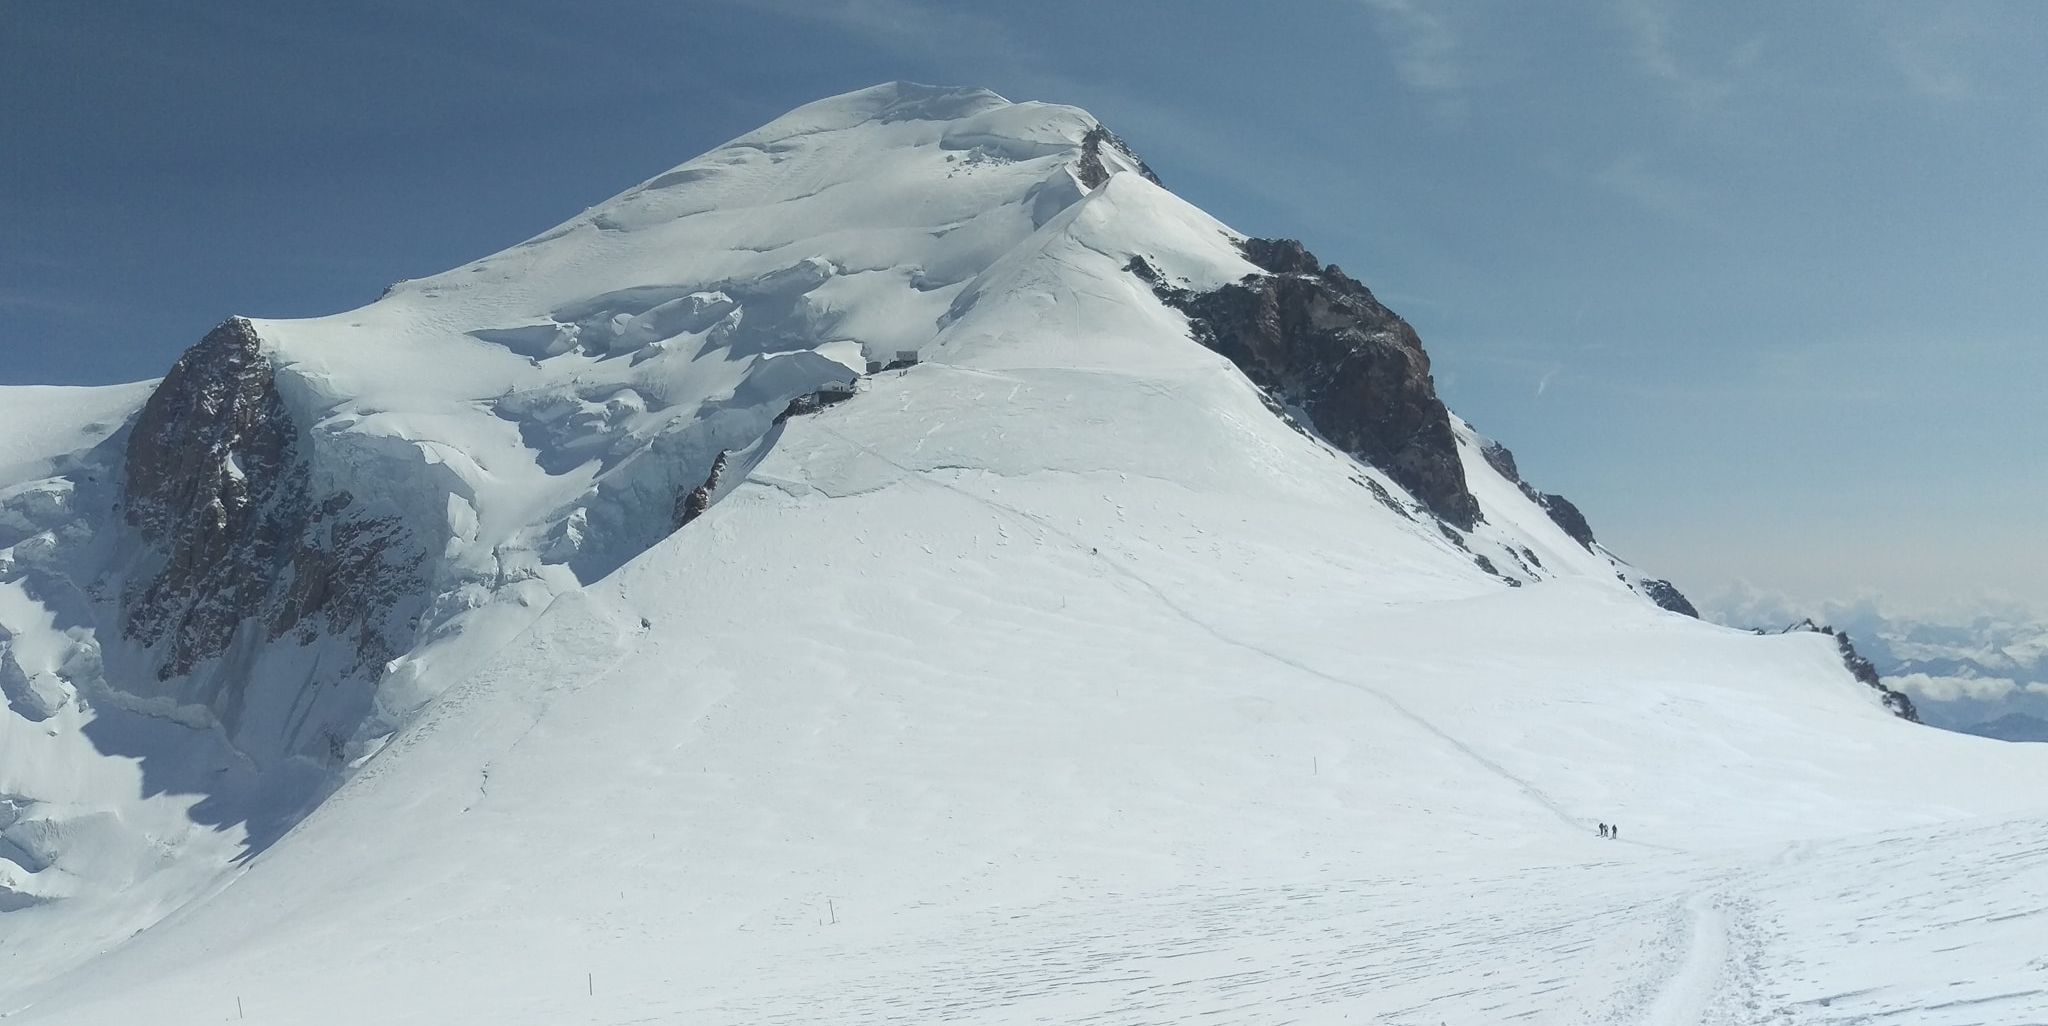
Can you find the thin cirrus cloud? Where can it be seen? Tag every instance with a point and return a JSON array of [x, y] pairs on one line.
[[1427, 49], [1927, 50], [1634, 177], [1652, 28], [904, 26], [1795, 244]]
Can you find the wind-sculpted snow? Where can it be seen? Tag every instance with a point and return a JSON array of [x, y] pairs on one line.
[[824, 582], [84, 827]]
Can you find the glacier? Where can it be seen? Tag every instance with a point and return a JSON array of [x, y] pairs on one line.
[[834, 580]]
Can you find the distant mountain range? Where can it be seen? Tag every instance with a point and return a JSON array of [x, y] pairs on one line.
[[2012, 727], [1982, 673]]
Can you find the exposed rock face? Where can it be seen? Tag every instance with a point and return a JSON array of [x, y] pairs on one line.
[[215, 481], [698, 499], [1567, 517], [1562, 511], [1565, 514], [1667, 596], [1862, 669], [217, 487], [1089, 168], [1318, 341]]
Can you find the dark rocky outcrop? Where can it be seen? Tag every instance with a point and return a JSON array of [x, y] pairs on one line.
[[1862, 669], [1320, 347], [831, 395], [1667, 596], [1561, 510], [1319, 342], [1090, 168], [695, 501], [216, 487], [1565, 514], [214, 480]]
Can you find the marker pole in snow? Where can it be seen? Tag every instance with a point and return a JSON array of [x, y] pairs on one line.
[[831, 911], [239, 1014]]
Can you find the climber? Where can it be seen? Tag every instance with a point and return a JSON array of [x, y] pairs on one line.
[[1603, 830]]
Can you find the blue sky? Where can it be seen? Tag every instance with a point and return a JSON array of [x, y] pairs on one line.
[[1763, 286]]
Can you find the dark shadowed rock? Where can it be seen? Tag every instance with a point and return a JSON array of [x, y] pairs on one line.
[[1562, 511], [695, 501], [1090, 168], [215, 482], [1861, 668], [1667, 596], [1319, 342], [1281, 256], [216, 487], [1565, 514]]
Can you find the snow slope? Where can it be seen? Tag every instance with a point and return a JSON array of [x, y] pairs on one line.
[[79, 824], [47, 423], [1054, 678]]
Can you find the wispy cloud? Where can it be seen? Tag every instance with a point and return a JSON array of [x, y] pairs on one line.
[[1981, 619], [26, 303], [1932, 76], [1633, 177], [1925, 51], [912, 27], [1510, 360], [1701, 87], [1427, 50], [1952, 688]]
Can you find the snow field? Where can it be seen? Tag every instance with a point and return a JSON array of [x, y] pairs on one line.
[[1029, 784], [1053, 679]]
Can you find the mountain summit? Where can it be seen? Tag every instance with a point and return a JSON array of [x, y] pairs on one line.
[[908, 514]]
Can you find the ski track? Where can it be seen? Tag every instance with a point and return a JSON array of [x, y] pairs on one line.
[[1127, 896], [1686, 994], [1529, 790], [1668, 940]]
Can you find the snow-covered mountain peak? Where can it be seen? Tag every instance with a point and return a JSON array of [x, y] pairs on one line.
[[885, 102], [836, 238], [399, 488], [917, 454]]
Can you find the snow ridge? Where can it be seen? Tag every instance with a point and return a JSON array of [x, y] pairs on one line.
[[843, 522]]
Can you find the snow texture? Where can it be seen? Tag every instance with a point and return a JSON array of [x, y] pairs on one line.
[[1050, 676]]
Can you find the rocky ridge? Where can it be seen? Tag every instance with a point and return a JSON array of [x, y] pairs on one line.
[[287, 525], [1318, 341], [1865, 672], [238, 546]]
